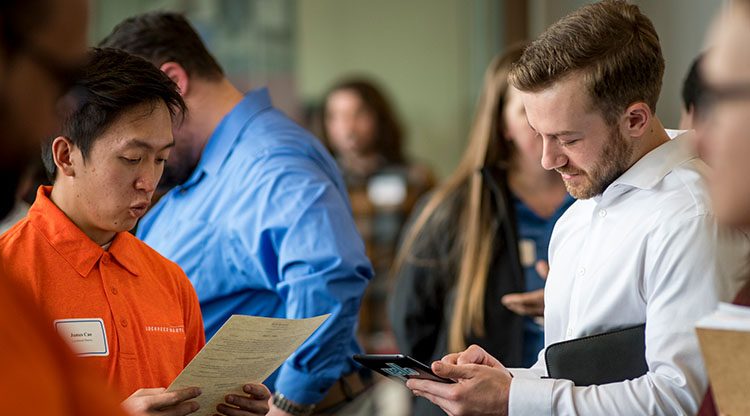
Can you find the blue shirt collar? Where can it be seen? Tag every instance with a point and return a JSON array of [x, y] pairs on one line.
[[226, 134]]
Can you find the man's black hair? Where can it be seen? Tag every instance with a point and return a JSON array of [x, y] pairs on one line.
[[161, 37], [693, 87], [112, 82]]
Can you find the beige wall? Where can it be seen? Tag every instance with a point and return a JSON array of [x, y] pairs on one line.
[[682, 26], [418, 49]]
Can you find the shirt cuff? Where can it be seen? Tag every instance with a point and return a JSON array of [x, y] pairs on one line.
[[302, 388], [530, 396], [527, 373]]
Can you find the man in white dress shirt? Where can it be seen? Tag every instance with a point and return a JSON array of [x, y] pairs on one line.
[[641, 243]]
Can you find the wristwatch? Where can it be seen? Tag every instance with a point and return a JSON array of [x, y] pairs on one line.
[[296, 409]]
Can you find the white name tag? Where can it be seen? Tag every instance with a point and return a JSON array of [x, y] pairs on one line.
[[86, 336]]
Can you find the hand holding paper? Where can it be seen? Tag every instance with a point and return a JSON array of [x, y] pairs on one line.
[[158, 401], [247, 349]]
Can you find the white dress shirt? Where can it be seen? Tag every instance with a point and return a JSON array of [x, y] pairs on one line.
[[647, 250]]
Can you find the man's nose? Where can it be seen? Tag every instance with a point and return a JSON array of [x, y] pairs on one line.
[[552, 156], [147, 180]]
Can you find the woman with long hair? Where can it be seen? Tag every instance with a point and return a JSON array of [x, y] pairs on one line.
[[468, 258]]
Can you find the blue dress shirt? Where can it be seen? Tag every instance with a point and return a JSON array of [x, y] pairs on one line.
[[264, 227]]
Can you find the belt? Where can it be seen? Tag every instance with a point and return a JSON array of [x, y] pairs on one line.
[[345, 390]]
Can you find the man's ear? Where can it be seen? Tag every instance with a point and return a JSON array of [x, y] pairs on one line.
[[62, 153], [177, 73], [636, 120]]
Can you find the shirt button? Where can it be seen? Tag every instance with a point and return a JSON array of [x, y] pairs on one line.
[[602, 213], [105, 259], [570, 332], [581, 271], [124, 322], [114, 290]]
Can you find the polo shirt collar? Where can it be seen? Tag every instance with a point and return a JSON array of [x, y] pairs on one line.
[[656, 164], [124, 252], [227, 133], [80, 251]]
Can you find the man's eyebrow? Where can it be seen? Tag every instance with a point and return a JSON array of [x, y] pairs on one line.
[[146, 145], [555, 134], [564, 133]]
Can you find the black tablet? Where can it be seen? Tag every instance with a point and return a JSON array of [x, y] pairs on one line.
[[399, 366]]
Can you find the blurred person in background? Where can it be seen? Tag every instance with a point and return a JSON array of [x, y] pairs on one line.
[[472, 265], [365, 135], [724, 137], [21, 207], [42, 46], [692, 88], [33, 177]]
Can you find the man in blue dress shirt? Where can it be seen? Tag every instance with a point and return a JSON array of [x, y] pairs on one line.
[[257, 216]]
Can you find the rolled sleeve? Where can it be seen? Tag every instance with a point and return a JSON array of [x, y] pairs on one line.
[[301, 386], [322, 269]]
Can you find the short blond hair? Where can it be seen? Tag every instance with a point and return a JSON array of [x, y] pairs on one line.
[[611, 43]]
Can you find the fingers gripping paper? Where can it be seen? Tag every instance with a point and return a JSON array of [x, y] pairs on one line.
[[246, 349]]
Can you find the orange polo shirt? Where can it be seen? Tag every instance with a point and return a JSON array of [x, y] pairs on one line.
[[127, 311], [38, 373]]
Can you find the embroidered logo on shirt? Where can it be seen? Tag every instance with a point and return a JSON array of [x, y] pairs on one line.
[[166, 329]]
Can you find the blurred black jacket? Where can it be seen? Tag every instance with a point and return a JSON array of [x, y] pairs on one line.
[[421, 304]]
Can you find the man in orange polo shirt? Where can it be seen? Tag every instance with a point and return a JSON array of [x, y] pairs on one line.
[[123, 308]]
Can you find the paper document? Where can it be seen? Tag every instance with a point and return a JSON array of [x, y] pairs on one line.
[[727, 316], [246, 349], [725, 343]]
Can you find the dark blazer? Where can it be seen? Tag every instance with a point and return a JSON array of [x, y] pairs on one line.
[[422, 302]]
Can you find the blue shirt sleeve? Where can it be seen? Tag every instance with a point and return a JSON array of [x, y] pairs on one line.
[[310, 237]]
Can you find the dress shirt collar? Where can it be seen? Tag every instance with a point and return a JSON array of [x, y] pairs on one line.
[[80, 251], [653, 166], [226, 134]]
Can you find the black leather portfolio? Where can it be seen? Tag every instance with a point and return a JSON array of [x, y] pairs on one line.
[[603, 358]]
